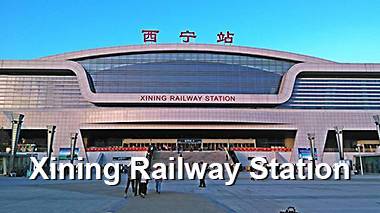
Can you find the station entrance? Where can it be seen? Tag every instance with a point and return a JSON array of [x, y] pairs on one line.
[[189, 139]]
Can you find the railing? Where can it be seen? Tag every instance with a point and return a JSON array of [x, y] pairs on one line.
[[349, 150], [261, 149], [113, 149], [248, 149]]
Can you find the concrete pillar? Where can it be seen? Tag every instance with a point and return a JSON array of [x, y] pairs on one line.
[[17, 120], [5, 168], [339, 140], [73, 142], [311, 137], [50, 140]]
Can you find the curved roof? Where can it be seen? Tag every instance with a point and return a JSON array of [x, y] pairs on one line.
[[185, 47], [284, 94]]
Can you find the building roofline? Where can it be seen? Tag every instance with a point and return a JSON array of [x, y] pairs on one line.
[[185, 47]]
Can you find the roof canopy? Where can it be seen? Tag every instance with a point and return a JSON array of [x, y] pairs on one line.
[[130, 49]]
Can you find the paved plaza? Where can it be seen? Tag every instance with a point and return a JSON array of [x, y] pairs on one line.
[[361, 194]]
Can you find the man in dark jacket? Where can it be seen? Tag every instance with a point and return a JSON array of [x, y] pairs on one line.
[[202, 181], [137, 182], [130, 181], [143, 187]]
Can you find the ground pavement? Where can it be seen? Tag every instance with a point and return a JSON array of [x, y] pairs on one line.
[[361, 194]]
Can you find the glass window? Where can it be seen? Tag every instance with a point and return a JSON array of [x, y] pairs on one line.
[[185, 72]]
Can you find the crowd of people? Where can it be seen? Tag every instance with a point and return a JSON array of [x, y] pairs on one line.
[[140, 185]]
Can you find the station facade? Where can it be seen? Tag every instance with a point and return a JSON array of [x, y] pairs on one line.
[[192, 97]]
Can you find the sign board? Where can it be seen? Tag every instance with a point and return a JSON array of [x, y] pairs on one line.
[[188, 98], [64, 153], [304, 153], [150, 36], [121, 158], [189, 141]]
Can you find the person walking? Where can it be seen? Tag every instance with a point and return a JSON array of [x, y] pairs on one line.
[[137, 183], [143, 187], [158, 185], [130, 181], [202, 181]]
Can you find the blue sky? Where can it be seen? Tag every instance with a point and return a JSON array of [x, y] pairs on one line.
[[340, 30]]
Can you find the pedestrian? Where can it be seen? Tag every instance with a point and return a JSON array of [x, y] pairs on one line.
[[137, 182], [158, 185], [202, 181], [143, 187], [130, 181]]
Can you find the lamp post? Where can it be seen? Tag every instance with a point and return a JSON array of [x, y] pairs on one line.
[[50, 140], [17, 120], [311, 137], [339, 140], [73, 142], [360, 158]]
